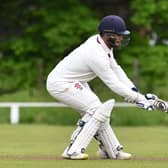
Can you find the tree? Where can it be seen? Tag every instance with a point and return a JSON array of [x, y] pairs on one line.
[[47, 31], [149, 16]]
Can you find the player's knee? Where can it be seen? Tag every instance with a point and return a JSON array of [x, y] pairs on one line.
[[96, 104], [103, 113], [104, 125]]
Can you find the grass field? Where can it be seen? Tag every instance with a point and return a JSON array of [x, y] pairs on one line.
[[32, 146]]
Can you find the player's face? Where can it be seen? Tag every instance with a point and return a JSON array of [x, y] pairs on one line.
[[118, 40], [115, 40]]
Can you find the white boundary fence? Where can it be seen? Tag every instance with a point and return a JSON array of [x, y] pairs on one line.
[[15, 107]]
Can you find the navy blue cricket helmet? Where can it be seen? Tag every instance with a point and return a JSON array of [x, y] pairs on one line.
[[113, 24]]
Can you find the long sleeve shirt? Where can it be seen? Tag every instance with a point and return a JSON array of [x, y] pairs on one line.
[[94, 59]]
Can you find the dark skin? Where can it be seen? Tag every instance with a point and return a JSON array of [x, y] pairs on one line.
[[118, 40]]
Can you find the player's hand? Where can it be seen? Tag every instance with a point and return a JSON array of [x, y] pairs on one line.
[[146, 104], [151, 98]]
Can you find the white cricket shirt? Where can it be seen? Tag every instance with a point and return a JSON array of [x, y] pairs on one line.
[[93, 58]]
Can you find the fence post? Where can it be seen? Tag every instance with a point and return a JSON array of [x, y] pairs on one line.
[[14, 114]]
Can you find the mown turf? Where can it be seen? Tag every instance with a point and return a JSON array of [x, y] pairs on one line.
[[32, 146]]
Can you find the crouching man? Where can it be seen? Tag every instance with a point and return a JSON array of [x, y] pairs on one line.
[[68, 83]]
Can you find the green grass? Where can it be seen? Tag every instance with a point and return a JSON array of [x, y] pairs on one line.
[[44, 140]]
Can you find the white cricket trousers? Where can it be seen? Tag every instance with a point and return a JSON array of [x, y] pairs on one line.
[[75, 94], [80, 97]]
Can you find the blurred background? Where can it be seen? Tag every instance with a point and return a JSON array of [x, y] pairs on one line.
[[36, 35]]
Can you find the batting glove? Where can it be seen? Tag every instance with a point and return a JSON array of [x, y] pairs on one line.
[[146, 103], [151, 96]]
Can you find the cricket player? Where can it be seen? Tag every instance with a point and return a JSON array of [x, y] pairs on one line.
[[68, 83]]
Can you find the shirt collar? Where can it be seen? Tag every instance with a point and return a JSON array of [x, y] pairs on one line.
[[102, 43]]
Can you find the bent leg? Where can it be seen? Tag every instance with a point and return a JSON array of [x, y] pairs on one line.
[[82, 98], [90, 128]]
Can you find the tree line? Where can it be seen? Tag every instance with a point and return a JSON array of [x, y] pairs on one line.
[[35, 35]]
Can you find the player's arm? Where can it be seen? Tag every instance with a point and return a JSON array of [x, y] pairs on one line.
[[102, 69], [155, 102]]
